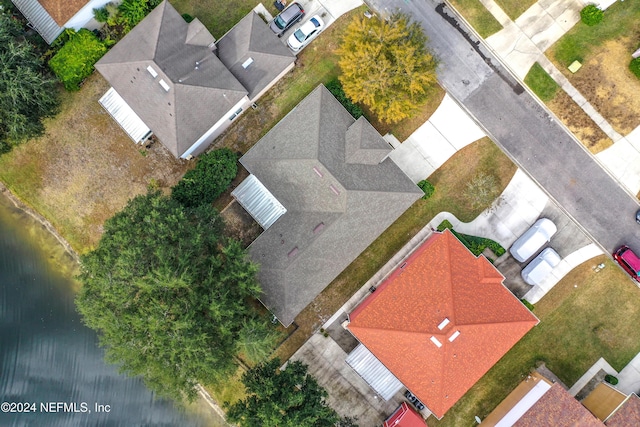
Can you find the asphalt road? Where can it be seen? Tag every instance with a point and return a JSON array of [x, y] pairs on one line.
[[523, 128]]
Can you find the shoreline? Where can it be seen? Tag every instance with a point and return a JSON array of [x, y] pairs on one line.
[[21, 205]]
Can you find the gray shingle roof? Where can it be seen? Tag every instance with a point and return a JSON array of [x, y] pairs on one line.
[[251, 38], [335, 208], [201, 89]]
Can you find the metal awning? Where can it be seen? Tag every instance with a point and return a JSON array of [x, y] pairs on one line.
[[254, 197], [381, 380], [125, 116], [39, 18]]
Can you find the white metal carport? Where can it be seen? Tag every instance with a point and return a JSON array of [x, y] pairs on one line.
[[124, 115], [381, 380]]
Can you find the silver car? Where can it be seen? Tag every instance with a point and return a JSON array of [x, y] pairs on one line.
[[541, 266], [533, 239]]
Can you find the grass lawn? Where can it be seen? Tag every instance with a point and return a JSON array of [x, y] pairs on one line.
[[450, 182], [586, 316], [515, 8], [217, 15], [541, 83], [478, 16]]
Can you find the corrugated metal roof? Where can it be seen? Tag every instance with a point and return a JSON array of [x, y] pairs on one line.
[[374, 372], [124, 116], [258, 201], [39, 18]]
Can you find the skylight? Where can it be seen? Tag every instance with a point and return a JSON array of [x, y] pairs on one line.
[[444, 323], [248, 62], [436, 342], [164, 85], [151, 71]]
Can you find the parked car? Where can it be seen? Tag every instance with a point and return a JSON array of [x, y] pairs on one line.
[[629, 261], [285, 19], [414, 400], [307, 32], [541, 266], [533, 239]]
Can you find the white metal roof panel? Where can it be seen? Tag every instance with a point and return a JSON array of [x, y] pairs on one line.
[[39, 18], [381, 380], [520, 408], [258, 201], [124, 116]]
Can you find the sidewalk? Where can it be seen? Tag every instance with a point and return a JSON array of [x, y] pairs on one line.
[[522, 43]]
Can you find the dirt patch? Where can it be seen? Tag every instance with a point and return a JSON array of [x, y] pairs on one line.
[[607, 83], [239, 224], [580, 124]]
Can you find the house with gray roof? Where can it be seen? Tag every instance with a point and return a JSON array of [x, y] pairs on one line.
[[322, 186], [172, 79]]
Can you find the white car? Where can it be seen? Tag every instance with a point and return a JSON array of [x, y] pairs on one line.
[[541, 266], [307, 32], [533, 239]]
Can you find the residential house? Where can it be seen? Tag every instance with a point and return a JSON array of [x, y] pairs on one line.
[[437, 324], [50, 17], [172, 79], [540, 402], [323, 189]]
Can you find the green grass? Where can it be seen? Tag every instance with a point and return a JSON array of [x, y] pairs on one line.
[[620, 20], [478, 16], [515, 8], [219, 16], [541, 83], [586, 316]]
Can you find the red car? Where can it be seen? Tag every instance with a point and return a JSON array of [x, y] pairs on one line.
[[629, 261]]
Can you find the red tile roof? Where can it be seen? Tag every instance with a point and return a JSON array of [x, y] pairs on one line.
[[627, 415], [404, 416], [63, 10], [558, 408], [399, 323]]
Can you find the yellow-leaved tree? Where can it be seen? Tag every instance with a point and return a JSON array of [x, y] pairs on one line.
[[386, 66]]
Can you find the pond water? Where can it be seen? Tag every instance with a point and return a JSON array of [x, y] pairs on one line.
[[50, 363]]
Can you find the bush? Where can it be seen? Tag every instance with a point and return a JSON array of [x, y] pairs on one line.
[[74, 61], [101, 15], [188, 18], [132, 12], [591, 15], [611, 379], [427, 187], [527, 304], [634, 66], [475, 244], [210, 178], [335, 88], [444, 225]]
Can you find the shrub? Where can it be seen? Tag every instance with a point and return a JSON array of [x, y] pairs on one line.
[[591, 15], [132, 12], [475, 244], [210, 178], [527, 304], [444, 225], [335, 88], [101, 15], [74, 61], [634, 66], [427, 187], [188, 18], [611, 379]]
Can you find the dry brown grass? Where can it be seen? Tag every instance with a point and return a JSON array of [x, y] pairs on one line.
[[85, 168]]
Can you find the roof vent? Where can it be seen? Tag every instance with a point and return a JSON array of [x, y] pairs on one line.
[[246, 63], [317, 171], [436, 342], [293, 252], [151, 71], [335, 190], [454, 336], [318, 228], [164, 85], [444, 323]]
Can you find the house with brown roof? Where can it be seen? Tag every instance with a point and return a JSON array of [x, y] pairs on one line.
[[439, 322], [540, 402], [170, 78], [323, 189], [50, 17]]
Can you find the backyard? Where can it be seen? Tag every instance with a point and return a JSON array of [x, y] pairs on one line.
[[585, 307], [605, 52]]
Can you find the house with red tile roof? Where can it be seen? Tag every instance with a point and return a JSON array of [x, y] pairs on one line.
[[440, 321]]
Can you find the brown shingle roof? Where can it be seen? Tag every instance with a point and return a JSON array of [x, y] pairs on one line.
[[627, 415], [62, 10], [399, 323]]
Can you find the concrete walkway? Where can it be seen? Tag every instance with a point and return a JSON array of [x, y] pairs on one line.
[[522, 43], [628, 377]]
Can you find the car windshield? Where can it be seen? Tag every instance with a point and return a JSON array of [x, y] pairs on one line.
[[280, 22], [315, 22], [300, 35]]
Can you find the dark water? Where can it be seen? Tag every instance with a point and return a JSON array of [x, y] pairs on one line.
[[48, 357]]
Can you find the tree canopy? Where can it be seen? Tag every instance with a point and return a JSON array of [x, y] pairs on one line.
[[288, 398], [210, 178], [167, 294], [28, 94], [75, 60], [386, 66]]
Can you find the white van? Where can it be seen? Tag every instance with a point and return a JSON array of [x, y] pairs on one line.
[[533, 239]]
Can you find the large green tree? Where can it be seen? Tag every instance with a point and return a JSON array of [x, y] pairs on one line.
[[167, 294], [386, 66], [28, 94], [288, 398]]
